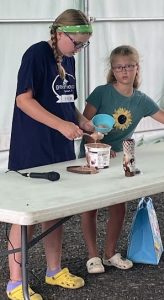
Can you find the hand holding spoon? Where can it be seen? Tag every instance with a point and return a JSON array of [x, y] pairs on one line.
[[96, 136]]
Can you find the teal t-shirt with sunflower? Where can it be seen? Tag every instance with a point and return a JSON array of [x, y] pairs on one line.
[[127, 112]]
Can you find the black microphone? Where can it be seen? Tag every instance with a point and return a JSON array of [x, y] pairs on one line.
[[52, 176]]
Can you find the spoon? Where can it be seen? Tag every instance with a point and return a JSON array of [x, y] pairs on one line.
[[95, 135]]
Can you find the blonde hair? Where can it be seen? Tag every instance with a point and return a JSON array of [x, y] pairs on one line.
[[123, 50], [68, 17]]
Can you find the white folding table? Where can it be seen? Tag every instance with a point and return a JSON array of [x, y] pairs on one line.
[[28, 201]]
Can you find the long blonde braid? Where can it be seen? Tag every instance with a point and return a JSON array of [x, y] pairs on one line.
[[58, 58]]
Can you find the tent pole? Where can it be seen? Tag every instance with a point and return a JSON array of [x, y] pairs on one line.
[[86, 58]]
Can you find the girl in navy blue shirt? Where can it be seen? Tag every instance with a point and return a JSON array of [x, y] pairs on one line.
[[45, 124]]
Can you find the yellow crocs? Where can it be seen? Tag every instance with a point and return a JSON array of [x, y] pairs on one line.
[[17, 294], [65, 279]]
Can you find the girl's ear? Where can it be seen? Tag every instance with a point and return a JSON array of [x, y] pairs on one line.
[[59, 35], [137, 68]]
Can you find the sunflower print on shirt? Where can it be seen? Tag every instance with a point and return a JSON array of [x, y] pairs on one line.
[[123, 118]]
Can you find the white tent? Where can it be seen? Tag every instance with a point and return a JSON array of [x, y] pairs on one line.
[[115, 22]]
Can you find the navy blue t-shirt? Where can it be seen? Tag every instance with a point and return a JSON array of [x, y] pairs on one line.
[[33, 143]]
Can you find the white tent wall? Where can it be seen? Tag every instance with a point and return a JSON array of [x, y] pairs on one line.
[[115, 22]]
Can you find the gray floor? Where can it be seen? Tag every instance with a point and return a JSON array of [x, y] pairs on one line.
[[142, 282]]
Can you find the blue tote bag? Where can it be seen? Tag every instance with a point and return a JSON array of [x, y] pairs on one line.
[[145, 244]]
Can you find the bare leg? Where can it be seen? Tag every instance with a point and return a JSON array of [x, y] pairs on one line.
[[53, 250], [88, 223], [53, 245], [114, 226], [15, 259]]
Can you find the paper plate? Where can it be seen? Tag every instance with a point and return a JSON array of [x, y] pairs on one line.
[[82, 169]]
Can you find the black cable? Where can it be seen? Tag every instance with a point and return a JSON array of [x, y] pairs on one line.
[[13, 171]]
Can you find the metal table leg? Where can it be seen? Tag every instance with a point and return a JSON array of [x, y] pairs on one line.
[[24, 262]]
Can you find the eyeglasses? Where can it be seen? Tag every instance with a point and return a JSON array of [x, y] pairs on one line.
[[78, 45], [120, 68]]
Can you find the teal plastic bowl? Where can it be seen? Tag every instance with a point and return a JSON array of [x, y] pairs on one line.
[[103, 123]]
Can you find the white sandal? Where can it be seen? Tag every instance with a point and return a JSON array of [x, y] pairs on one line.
[[118, 262], [94, 265]]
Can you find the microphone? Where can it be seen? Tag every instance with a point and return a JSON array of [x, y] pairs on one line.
[[52, 176]]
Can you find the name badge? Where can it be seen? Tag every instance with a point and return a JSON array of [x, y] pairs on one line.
[[67, 98]]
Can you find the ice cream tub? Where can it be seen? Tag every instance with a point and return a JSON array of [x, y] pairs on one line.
[[97, 155]]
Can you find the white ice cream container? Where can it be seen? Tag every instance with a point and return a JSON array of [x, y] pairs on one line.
[[98, 155]]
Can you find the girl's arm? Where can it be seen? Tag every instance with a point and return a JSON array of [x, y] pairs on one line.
[[89, 111], [84, 122], [33, 109], [159, 116]]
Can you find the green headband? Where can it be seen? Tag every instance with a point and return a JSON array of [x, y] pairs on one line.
[[87, 28]]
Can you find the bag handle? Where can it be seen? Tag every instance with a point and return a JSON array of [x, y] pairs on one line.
[[144, 201]]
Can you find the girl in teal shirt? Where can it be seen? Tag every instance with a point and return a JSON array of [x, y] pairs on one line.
[[121, 99]]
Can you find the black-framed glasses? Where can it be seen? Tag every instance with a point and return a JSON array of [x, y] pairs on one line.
[[77, 45], [127, 67]]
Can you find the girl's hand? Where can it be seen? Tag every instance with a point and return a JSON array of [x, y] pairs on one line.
[[70, 130], [84, 123], [112, 153], [87, 126]]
